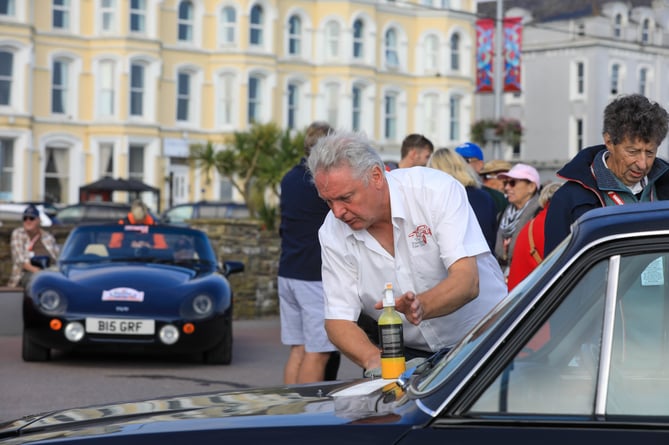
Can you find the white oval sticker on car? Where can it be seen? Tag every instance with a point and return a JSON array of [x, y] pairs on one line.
[[119, 326]]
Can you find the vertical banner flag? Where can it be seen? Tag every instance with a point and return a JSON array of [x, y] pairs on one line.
[[485, 30], [512, 40], [485, 53]]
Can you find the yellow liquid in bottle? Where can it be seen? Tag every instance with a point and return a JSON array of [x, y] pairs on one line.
[[392, 344]]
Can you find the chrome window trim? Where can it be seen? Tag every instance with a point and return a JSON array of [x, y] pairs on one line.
[[607, 336]]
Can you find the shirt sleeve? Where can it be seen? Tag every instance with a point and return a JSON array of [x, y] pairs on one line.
[[457, 230], [339, 272], [19, 253]]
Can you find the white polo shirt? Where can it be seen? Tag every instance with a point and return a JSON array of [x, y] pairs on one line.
[[434, 226]]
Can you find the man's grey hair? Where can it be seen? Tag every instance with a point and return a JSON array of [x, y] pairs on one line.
[[345, 148]]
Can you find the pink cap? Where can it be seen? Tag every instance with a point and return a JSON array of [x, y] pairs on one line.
[[522, 171]]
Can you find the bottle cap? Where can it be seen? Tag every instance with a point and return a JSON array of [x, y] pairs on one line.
[[388, 297]]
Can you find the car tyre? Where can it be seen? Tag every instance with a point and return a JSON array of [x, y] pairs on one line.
[[221, 354], [33, 352]]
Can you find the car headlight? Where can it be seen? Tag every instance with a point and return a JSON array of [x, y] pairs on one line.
[[74, 331], [203, 305], [51, 301]]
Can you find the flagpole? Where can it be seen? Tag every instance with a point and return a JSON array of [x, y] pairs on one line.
[[499, 74]]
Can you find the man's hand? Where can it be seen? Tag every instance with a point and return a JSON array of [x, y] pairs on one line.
[[409, 304]]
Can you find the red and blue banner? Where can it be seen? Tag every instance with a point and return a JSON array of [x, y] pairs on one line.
[[485, 53], [485, 31], [512, 46]]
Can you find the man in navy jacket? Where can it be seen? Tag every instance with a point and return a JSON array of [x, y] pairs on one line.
[[623, 170], [312, 356]]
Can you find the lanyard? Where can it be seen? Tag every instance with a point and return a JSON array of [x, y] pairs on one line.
[[615, 197]]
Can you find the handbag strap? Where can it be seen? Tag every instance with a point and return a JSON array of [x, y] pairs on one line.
[[533, 247]]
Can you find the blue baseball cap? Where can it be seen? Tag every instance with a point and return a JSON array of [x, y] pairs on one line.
[[469, 150], [31, 211]]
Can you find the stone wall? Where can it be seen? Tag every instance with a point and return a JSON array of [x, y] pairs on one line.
[[239, 240]]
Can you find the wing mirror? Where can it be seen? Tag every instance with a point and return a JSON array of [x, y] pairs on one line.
[[230, 267]]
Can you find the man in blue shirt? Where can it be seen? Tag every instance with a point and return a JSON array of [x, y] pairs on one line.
[[312, 357]]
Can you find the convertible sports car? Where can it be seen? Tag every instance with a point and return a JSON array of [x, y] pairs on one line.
[[132, 287], [578, 353]]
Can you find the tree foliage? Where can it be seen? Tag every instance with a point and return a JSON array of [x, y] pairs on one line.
[[253, 161]]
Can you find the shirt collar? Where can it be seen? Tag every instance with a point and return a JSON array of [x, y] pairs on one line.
[[397, 208]]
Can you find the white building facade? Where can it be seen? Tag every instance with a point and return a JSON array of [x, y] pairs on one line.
[[577, 57]]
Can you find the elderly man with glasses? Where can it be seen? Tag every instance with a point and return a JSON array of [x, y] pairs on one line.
[[29, 241]]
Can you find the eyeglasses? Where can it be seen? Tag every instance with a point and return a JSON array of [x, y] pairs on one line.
[[29, 218], [510, 182]]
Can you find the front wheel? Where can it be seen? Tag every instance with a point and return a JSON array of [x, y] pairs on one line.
[[33, 352], [221, 353]]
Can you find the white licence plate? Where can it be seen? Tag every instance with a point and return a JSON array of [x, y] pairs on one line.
[[120, 326]]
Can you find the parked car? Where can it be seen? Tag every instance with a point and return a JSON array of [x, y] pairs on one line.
[[13, 211], [577, 353], [92, 212], [145, 288], [180, 213]]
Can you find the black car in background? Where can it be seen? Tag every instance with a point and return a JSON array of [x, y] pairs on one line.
[[578, 353], [181, 213], [145, 288], [92, 212]]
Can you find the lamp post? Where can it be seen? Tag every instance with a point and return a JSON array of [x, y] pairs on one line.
[[499, 74]]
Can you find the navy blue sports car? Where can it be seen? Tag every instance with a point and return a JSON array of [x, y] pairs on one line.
[[578, 353], [132, 287]]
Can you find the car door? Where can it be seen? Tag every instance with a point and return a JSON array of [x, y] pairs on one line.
[[593, 368]]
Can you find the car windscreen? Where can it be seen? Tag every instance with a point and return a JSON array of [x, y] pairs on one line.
[[136, 242]]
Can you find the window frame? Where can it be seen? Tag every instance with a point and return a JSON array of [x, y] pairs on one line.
[[356, 107], [226, 99], [136, 155], [254, 98], [186, 21], [332, 98], [228, 25], [390, 115], [108, 22], [332, 39], [137, 92], [455, 113], [615, 78], [256, 26], [10, 10], [61, 12], [292, 105], [7, 78], [431, 54], [358, 44], [137, 16], [61, 91], [454, 46], [391, 49], [294, 35], [106, 88], [184, 95], [7, 156]]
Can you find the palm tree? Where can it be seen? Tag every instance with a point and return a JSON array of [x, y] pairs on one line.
[[204, 158]]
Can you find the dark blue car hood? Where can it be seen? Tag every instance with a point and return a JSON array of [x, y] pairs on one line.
[[321, 404], [107, 276]]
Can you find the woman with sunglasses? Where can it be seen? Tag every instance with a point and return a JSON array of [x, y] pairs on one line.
[[29, 241], [521, 185]]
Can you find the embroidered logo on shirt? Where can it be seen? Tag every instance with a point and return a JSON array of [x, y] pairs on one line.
[[420, 235]]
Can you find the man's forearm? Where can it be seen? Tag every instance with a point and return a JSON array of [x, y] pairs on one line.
[[352, 341]]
